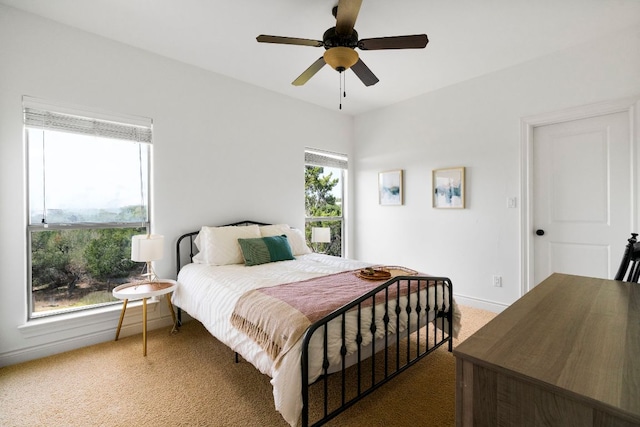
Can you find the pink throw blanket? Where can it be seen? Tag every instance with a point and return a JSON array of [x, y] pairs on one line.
[[277, 317]]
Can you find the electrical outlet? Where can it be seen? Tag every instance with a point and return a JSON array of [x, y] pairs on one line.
[[497, 281]]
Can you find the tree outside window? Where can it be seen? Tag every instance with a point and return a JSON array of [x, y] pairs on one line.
[[324, 198]]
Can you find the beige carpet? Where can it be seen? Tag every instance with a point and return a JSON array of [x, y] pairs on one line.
[[190, 379]]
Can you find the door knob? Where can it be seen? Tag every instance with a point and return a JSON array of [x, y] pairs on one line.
[[540, 232]]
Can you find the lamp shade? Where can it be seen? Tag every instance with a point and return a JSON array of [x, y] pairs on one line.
[[320, 234], [147, 247]]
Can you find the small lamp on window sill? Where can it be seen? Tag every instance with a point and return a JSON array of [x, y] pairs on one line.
[[320, 235], [147, 248]]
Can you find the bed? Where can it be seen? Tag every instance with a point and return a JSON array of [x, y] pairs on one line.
[[327, 358]]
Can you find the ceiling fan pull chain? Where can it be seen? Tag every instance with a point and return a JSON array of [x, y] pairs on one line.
[[344, 85], [340, 93]]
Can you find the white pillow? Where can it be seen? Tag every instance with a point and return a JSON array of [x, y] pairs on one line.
[[219, 245], [274, 230], [199, 257], [296, 237]]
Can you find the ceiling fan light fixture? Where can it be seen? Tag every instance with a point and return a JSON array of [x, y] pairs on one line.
[[340, 58]]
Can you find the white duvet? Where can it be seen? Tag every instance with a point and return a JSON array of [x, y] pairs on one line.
[[209, 294]]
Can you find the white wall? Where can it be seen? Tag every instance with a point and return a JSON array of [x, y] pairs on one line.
[[216, 139], [475, 124], [223, 151]]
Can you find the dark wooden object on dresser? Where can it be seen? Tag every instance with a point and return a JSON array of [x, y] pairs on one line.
[[565, 354]]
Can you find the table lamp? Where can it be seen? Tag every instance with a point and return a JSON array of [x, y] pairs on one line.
[[147, 248], [320, 235]]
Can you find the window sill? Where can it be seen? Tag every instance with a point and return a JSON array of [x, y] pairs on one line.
[[107, 316]]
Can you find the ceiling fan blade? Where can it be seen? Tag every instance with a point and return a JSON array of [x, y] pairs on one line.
[[346, 17], [309, 72], [289, 40], [364, 73], [418, 41]]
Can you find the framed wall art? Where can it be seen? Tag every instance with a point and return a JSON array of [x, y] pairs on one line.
[[448, 188], [390, 188]]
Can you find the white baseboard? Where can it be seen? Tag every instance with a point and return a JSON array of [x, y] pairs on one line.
[[96, 333], [49, 349], [492, 306], [133, 326]]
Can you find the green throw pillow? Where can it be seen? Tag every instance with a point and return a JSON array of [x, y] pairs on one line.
[[265, 249]]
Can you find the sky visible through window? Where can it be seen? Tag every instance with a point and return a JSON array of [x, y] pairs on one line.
[[75, 184]]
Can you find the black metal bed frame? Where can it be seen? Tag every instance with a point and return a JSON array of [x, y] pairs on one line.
[[384, 358]]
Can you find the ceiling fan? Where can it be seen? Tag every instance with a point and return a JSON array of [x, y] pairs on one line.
[[340, 43]]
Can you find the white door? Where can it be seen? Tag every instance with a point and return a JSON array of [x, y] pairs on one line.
[[582, 197]]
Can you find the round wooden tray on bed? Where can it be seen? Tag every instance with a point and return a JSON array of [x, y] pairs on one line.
[[373, 274], [384, 273]]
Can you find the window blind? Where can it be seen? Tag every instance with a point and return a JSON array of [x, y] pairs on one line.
[[50, 120], [325, 158]]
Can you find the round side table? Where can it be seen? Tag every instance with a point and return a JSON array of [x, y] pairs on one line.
[[144, 290]]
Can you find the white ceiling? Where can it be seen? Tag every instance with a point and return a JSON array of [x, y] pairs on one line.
[[467, 38]]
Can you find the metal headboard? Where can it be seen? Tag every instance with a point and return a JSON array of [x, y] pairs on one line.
[[192, 248], [191, 236]]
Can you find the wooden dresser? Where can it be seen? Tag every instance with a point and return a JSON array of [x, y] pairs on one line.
[[565, 354]]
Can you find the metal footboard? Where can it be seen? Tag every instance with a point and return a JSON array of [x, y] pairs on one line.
[[391, 354]]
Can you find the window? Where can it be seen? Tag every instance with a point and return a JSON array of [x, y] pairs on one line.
[[88, 185], [325, 176]]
